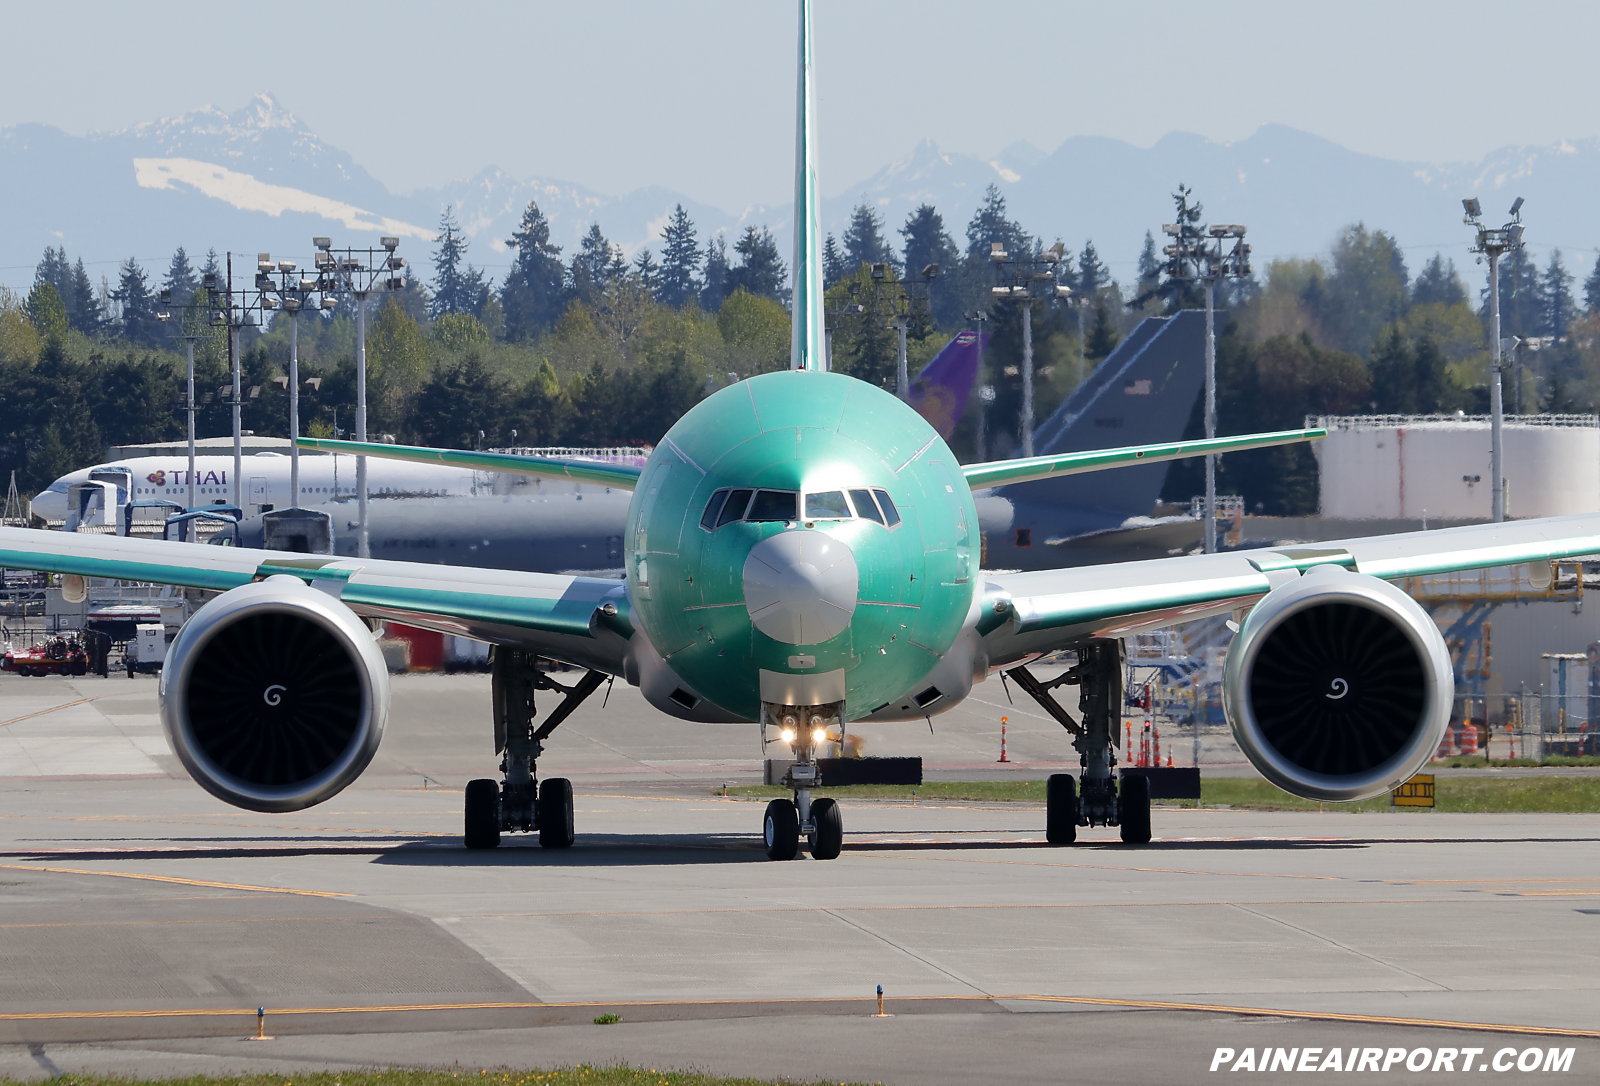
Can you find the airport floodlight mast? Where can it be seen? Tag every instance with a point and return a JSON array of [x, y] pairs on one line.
[[357, 273], [1030, 281], [1200, 254], [235, 308], [190, 332], [284, 288], [1493, 242]]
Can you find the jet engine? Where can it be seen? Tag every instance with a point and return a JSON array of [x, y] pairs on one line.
[[1338, 686], [274, 696]]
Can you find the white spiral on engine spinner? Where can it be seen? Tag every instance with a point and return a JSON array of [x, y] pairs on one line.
[[1341, 686], [270, 698]]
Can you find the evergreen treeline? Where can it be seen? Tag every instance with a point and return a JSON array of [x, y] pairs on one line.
[[592, 348]]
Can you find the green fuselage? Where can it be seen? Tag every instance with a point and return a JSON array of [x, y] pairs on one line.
[[806, 433]]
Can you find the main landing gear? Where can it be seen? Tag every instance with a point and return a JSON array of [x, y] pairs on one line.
[[819, 821], [1096, 800], [520, 801]]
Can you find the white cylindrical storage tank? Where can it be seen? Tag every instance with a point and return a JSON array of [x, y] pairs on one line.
[[1398, 467]]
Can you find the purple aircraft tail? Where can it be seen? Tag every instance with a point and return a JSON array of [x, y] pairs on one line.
[[939, 393]]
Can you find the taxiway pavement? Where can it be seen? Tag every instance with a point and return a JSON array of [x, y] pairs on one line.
[[142, 921]]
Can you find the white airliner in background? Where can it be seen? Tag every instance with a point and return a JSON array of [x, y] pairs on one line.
[[266, 481]]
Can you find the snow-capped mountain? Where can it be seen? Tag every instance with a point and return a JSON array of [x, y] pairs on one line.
[[260, 180]]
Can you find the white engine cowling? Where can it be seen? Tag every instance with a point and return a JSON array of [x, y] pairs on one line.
[[274, 696], [1338, 686]]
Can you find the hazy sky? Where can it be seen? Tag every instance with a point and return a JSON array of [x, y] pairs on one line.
[[699, 97]]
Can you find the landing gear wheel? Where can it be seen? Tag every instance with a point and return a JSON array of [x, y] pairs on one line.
[[829, 836], [483, 814], [1133, 809], [555, 814], [1061, 809], [782, 830]]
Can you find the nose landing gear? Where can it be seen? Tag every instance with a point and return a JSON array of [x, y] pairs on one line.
[[819, 821], [520, 802]]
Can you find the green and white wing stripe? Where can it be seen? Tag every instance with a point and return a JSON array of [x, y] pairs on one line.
[[1001, 472], [551, 613], [1035, 612], [597, 472]]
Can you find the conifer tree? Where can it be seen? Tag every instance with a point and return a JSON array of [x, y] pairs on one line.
[[926, 241], [534, 293], [646, 270], [1591, 289], [761, 270], [180, 278], [1559, 308], [715, 282], [83, 311], [833, 269], [1438, 284], [680, 257], [453, 290], [863, 241], [1093, 275], [592, 265], [137, 305]]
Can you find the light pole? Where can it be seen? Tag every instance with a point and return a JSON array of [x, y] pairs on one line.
[[189, 335], [357, 272], [1493, 242], [293, 293], [236, 308], [1031, 280], [1198, 254]]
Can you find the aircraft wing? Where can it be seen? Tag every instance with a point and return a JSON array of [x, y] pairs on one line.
[[1026, 470], [558, 615], [1026, 613], [598, 472]]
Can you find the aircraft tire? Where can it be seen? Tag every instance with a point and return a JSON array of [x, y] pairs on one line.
[[556, 827], [829, 836], [1133, 810], [1061, 809], [483, 814], [781, 830]]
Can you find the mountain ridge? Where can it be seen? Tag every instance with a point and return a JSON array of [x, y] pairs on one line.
[[145, 189]]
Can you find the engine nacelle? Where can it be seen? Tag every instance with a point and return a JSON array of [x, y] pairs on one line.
[[1338, 686], [274, 696]]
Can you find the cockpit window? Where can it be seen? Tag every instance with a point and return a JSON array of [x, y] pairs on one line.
[[891, 516], [708, 519], [734, 510], [865, 506], [774, 505], [828, 505]]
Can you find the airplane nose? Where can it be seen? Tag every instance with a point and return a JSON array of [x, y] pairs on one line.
[[800, 587]]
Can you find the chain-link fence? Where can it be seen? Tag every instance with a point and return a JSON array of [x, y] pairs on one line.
[[1530, 726]]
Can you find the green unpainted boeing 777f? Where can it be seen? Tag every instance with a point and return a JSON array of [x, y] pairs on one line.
[[801, 555]]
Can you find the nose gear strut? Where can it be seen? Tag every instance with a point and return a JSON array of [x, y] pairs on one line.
[[518, 801]]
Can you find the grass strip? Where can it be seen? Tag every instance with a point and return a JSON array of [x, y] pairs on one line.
[[1535, 795], [581, 1075]]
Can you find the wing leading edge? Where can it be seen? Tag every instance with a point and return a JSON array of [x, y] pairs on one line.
[[559, 615], [597, 472], [1037, 612], [1000, 472]]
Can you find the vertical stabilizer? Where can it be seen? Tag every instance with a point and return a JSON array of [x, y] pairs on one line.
[[808, 339]]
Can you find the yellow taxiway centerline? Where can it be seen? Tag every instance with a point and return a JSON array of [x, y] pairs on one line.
[[174, 879]]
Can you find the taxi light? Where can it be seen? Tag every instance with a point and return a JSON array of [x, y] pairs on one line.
[[788, 735], [819, 735]]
